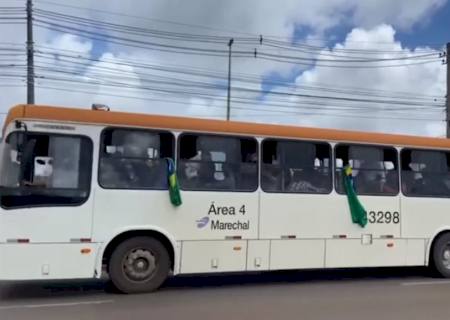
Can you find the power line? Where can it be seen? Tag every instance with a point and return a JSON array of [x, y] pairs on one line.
[[110, 73], [239, 108], [207, 72], [218, 52], [229, 32], [145, 18], [190, 93], [198, 38], [203, 85]]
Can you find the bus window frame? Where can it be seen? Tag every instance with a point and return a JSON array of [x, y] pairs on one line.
[[157, 131], [397, 156], [330, 148], [401, 180], [89, 191], [258, 149]]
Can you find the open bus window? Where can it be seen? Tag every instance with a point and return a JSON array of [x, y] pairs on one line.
[[210, 162], [425, 173], [134, 159], [295, 167], [45, 169], [375, 169]]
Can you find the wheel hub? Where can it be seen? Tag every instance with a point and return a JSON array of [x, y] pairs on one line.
[[139, 265], [447, 254]]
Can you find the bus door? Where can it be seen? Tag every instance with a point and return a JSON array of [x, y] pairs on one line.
[[45, 188]]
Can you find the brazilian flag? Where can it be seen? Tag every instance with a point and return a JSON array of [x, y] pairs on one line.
[[359, 214], [174, 189]]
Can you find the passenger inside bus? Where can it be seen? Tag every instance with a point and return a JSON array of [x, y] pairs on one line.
[[295, 167], [368, 173], [429, 170], [300, 174], [374, 169], [217, 163], [133, 162], [217, 156]]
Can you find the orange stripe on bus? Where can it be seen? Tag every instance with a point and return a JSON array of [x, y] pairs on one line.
[[87, 116]]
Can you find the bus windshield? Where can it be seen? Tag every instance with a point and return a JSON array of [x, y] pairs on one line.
[[51, 168]]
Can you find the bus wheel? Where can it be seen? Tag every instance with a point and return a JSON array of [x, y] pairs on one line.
[[139, 264], [441, 255]]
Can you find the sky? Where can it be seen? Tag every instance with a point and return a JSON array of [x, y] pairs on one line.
[[370, 65]]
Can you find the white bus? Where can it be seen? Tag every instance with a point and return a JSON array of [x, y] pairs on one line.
[[83, 189]]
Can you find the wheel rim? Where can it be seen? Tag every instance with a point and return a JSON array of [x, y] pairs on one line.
[[446, 256], [139, 265]]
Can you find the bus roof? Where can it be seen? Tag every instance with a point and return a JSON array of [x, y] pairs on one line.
[[112, 118]]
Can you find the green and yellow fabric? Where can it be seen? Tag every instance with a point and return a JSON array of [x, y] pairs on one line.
[[174, 189], [359, 214]]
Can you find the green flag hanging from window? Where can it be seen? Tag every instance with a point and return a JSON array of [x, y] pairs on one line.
[[174, 189], [359, 214]]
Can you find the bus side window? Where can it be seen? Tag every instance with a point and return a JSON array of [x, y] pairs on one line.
[[134, 158], [425, 173], [212, 162], [295, 167], [375, 170]]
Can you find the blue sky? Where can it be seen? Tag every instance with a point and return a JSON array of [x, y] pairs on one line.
[[434, 31]]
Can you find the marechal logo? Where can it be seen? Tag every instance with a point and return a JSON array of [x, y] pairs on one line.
[[201, 223]]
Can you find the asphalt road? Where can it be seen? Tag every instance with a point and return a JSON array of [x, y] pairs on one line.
[[338, 294]]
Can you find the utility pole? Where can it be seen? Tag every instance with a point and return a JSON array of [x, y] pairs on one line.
[[230, 44], [30, 54]]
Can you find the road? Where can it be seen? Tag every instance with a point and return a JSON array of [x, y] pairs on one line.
[[403, 293]]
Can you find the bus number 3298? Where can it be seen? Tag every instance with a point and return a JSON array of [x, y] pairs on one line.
[[384, 217]]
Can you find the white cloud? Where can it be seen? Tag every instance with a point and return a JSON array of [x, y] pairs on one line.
[[236, 18], [423, 79], [70, 42]]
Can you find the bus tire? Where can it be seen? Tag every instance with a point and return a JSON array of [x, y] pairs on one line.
[[139, 264], [441, 255]]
